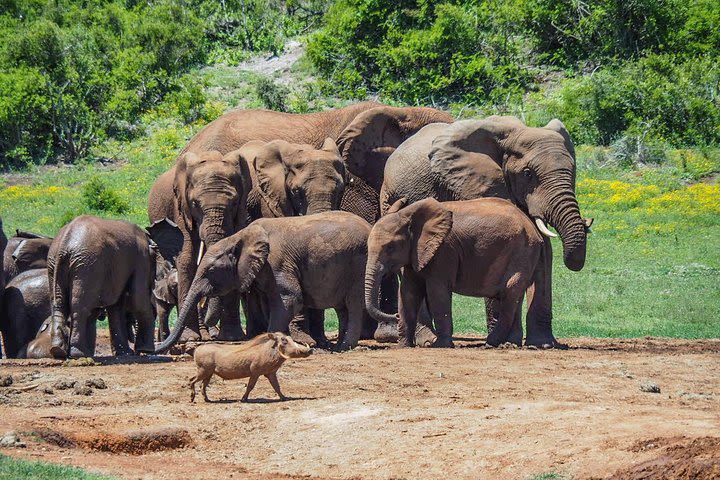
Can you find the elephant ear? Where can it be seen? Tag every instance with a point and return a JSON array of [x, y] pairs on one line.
[[168, 237], [373, 135], [251, 252], [271, 172], [430, 223], [32, 253], [239, 159], [557, 126], [24, 234], [468, 156]]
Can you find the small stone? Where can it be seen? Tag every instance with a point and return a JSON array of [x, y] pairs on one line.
[[650, 387], [440, 375], [83, 390], [64, 384], [6, 380], [11, 440], [98, 383], [48, 390]]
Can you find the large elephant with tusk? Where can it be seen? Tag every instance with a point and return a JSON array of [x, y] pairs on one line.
[[499, 157]]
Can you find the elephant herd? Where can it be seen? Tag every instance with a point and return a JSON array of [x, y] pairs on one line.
[[378, 212]]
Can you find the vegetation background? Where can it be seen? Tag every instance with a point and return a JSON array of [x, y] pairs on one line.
[[98, 96]]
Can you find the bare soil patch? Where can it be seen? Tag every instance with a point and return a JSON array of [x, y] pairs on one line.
[[383, 413]]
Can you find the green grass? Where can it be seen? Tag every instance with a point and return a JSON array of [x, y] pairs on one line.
[[14, 469], [653, 258]]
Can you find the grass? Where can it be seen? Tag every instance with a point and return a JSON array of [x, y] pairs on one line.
[[15, 469], [653, 259]]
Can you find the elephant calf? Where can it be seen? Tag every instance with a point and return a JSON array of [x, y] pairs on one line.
[[25, 305], [96, 263], [263, 355], [481, 248], [314, 261]]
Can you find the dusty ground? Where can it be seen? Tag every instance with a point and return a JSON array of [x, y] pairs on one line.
[[389, 413]]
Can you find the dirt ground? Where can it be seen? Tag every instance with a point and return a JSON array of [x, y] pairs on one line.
[[382, 413]]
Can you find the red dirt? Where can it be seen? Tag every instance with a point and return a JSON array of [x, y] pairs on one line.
[[389, 413]]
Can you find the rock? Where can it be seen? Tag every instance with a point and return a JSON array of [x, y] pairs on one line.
[[82, 390], [48, 390], [98, 383], [650, 387], [64, 384], [6, 380], [11, 440]]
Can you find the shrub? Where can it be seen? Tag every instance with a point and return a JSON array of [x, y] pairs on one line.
[[273, 95], [99, 197]]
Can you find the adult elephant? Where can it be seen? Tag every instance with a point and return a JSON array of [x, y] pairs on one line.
[[499, 157], [25, 306], [367, 133], [95, 263], [24, 251], [3, 245]]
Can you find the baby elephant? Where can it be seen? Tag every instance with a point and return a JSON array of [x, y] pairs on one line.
[[480, 248], [263, 355]]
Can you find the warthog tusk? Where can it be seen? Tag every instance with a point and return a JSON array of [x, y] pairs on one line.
[[543, 228], [201, 251], [202, 302]]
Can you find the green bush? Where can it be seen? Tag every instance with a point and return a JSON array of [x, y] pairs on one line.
[[274, 96], [99, 197]]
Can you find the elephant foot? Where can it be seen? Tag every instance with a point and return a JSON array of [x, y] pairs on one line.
[[205, 334], [231, 333], [544, 343], [443, 343], [302, 337], [424, 336], [58, 352], [323, 344], [344, 347], [189, 335], [386, 333], [214, 332], [77, 353]]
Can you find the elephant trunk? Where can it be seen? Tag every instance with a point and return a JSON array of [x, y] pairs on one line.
[[566, 219], [322, 203], [199, 288], [214, 228], [373, 277]]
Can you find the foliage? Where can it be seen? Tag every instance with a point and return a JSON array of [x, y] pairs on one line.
[[15, 469], [644, 69], [274, 96], [98, 196]]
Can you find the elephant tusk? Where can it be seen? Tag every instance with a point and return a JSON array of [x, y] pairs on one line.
[[202, 302], [544, 229], [201, 251]]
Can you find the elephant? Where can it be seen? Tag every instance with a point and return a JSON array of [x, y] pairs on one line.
[[25, 305], [366, 134], [96, 263], [499, 157], [482, 248], [3, 245], [39, 347], [165, 299], [315, 261], [24, 251], [290, 179]]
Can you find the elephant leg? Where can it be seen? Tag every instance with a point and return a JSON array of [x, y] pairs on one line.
[[118, 329], [256, 313], [163, 318], [439, 300], [516, 332], [506, 311], [316, 319], [230, 326], [141, 309], [425, 332], [300, 328], [412, 293], [385, 332], [539, 299], [82, 327], [342, 314], [355, 312]]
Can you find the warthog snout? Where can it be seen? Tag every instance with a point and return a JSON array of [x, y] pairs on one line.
[[292, 349]]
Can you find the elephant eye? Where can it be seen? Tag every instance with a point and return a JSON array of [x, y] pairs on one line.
[[527, 172], [196, 204]]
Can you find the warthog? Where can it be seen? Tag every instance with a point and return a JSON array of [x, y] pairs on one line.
[[263, 355]]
